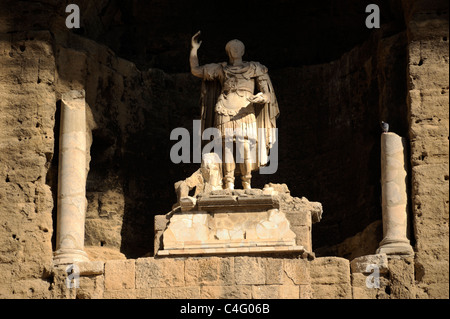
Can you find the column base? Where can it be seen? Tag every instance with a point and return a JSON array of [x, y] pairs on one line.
[[69, 256], [395, 247]]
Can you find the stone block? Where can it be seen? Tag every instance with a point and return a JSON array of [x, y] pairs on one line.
[[334, 291], [402, 278], [289, 292], [91, 268], [303, 236], [128, 294], [209, 271], [226, 292], [29, 289], [299, 218], [249, 271], [166, 272], [203, 271], [120, 294], [305, 292], [265, 292], [296, 271], [176, 293], [120, 274], [330, 270], [274, 271], [437, 290], [91, 287], [144, 293], [430, 269], [275, 292], [362, 287]]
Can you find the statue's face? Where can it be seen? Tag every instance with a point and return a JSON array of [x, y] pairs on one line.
[[235, 49]]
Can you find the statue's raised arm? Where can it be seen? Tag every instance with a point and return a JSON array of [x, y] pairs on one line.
[[193, 59]]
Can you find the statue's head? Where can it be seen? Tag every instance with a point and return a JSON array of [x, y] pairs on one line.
[[235, 49]]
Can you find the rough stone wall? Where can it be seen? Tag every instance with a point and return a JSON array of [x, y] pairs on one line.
[[428, 102], [37, 65], [27, 104], [242, 277], [211, 277]]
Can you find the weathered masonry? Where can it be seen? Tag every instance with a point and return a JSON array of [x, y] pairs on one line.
[[128, 67]]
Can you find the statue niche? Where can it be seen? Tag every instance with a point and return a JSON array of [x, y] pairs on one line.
[[239, 103]]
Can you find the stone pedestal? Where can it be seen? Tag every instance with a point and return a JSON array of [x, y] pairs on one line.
[[229, 222], [394, 196], [71, 207]]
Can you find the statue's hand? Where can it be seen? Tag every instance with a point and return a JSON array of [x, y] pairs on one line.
[[194, 41], [258, 98]]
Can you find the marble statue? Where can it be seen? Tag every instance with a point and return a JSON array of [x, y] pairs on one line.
[[237, 96]]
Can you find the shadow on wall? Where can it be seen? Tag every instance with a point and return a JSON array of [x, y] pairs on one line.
[[52, 173], [131, 175], [328, 133]]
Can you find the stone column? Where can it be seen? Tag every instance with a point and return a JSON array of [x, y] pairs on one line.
[[71, 209], [394, 196]]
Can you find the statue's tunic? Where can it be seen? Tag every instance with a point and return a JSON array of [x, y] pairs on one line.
[[233, 111]]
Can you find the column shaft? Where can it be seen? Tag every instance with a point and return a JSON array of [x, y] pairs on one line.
[[394, 196], [71, 207]]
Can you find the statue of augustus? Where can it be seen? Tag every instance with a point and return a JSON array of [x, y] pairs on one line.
[[237, 97]]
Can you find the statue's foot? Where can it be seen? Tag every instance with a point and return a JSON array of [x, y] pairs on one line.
[[246, 185], [229, 185]]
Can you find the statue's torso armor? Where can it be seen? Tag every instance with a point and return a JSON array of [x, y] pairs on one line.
[[233, 110], [225, 105], [238, 86]]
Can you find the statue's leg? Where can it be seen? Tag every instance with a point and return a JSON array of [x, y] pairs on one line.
[[246, 166], [228, 166]]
